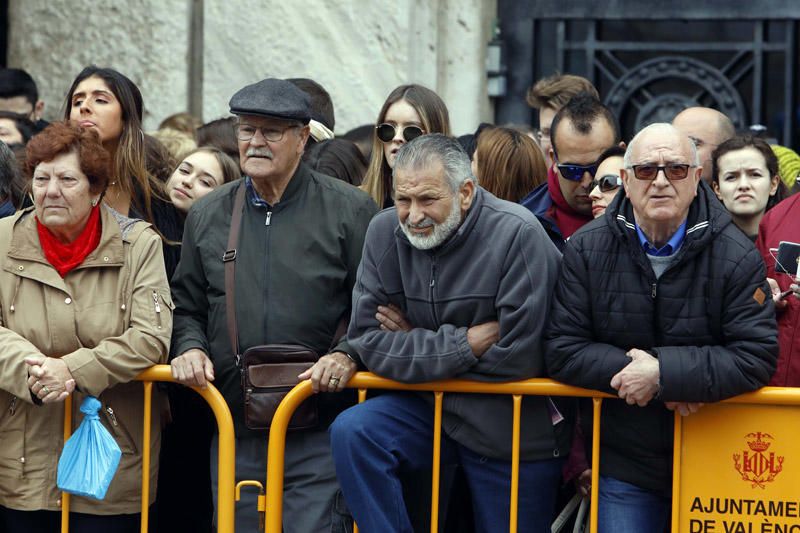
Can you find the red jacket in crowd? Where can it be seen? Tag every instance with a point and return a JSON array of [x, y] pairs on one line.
[[782, 223]]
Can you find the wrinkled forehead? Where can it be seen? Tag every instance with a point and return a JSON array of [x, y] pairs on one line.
[[427, 173], [657, 144]]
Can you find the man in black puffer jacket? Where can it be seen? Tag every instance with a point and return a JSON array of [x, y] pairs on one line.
[[663, 302]]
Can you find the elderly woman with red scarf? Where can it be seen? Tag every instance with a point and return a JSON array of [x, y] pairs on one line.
[[84, 307]]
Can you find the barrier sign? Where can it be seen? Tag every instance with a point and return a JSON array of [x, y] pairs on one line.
[[740, 470]]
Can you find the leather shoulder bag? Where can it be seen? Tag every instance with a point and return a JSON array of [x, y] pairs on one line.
[[268, 371]]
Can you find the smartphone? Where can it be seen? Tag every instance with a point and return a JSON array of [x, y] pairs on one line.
[[788, 260]]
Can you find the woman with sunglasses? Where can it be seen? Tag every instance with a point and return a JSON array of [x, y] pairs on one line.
[[607, 180], [409, 111]]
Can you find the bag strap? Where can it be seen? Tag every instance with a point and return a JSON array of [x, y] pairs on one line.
[[566, 513], [229, 258]]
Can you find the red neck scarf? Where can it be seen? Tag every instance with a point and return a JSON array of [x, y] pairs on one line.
[[65, 257], [567, 219]]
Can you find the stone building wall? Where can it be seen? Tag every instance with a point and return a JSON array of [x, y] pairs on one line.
[[359, 50]]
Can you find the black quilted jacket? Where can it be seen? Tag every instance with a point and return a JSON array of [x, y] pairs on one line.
[[708, 319]]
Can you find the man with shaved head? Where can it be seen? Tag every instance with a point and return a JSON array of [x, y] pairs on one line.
[[708, 128], [663, 302]]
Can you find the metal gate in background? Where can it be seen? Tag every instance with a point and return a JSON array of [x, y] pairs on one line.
[[649, 59]]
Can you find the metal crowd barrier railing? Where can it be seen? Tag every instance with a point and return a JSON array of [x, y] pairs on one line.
[[532, 387], [365, 380], [226, 462]]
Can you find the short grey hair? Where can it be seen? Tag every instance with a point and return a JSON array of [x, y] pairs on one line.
[[426, 149], [663, 128]]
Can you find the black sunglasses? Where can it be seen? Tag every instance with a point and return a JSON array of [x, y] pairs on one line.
[[607, 183], [386, 132], [575, 172], [649, 171]]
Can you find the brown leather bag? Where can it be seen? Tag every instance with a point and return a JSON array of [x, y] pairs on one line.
[[268, 371]]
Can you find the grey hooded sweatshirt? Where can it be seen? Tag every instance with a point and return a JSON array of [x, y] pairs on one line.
[[498, 265]]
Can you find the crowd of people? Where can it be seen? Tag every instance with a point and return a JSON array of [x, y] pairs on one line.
[[644, 267]]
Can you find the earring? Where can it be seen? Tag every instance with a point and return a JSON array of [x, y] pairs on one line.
[[94, 202]]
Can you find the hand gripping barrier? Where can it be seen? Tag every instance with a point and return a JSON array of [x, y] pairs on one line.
[[365, 380], [225, 503]]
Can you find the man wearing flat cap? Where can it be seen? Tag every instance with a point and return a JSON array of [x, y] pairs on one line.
[[297, 252]]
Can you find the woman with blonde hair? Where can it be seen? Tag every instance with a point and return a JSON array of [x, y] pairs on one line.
[[508, 163], [408, 112]]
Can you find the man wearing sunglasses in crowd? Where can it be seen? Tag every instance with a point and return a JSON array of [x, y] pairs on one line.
[[581, 131], [664, 303]]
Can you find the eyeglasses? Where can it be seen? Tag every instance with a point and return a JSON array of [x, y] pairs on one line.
[[607, 183], [672, 171], [575, 172], [386, 132], [245, 132]]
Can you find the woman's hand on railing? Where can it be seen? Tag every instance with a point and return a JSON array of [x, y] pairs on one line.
[[49, 378]]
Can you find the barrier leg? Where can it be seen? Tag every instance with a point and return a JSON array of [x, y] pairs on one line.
[[362, 397], [437, 457], [513, 519], [148, 404], [676, 470], [597, 403], [67, 433]]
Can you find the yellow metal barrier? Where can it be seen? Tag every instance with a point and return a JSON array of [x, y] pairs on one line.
[[703, 440], [226, 461], [365, 380]]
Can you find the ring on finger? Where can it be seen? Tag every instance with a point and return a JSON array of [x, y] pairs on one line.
[[45, 389]]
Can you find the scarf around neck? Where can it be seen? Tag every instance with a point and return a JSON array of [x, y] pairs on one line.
[[566, 219], [65, 257]]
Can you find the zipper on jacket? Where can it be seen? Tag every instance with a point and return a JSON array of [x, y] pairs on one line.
[[269, 217], [12, 408], [112, 416], [119, 429], [654, 291], [158, 308], [432, 286]]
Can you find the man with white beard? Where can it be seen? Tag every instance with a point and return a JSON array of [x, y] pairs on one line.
[[453, 283]]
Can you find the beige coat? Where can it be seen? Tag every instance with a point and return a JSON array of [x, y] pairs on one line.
[[109, 319]]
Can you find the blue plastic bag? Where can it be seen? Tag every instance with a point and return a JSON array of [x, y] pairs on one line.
[[90, 457]]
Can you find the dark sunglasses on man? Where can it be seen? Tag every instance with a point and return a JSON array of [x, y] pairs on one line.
[[386, 132], [607, 183], [672, 171], [574, 172]]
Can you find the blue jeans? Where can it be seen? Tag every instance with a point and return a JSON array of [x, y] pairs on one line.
[[626, 508], [372, 442]]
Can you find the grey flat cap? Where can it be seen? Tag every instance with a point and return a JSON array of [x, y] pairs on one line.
[[272, 98]]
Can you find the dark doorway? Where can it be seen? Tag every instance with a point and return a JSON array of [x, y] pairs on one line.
[[650, 60]]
